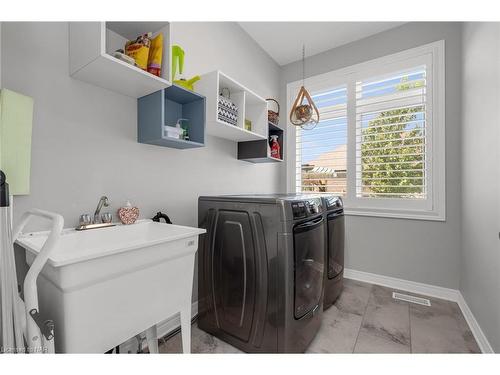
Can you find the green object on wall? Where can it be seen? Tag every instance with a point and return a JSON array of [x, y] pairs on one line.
[[16, 119], [177, 60]]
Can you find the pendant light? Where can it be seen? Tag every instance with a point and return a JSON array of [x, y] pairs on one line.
[[304, 112]]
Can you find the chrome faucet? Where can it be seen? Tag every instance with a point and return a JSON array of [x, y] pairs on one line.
[[98, 221], [102, 202]]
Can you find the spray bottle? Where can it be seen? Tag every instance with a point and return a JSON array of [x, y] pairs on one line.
[[275, 147]]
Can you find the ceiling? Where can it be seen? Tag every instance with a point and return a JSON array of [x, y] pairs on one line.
[[283, 40]]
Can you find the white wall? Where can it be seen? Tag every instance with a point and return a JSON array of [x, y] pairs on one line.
[[422, 251], [480, 262], [84, 137], [226, 47]]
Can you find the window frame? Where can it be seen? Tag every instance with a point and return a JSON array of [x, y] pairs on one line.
[[433, 56]]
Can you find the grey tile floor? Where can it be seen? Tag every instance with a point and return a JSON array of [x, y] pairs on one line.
[[366, 319]]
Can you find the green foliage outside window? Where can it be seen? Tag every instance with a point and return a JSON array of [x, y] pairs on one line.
[[392, 152]]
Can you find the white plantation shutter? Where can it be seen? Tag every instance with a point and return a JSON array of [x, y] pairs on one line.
[[321, 153], [380, 142], [391, 135]]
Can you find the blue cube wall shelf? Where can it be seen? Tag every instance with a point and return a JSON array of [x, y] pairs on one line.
[[164, 108]]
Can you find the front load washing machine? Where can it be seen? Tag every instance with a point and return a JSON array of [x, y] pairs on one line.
[[261, 270]]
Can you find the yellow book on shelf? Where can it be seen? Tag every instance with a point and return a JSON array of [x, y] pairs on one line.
[[16, 119]]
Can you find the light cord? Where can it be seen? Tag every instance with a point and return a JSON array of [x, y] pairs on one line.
[[303, 64]]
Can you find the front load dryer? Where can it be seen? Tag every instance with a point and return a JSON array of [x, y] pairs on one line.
[[334, 263]]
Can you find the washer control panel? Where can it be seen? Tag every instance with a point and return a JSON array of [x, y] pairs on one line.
[[314, 207], [305, 208], [299, 210]]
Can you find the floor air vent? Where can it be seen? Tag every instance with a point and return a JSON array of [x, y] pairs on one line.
[[412, 299]]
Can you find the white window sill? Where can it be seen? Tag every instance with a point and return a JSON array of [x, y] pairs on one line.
[[396, 214]]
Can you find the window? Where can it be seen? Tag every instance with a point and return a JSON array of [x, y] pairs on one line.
[[390, 136], [322, 152], [380, 140]]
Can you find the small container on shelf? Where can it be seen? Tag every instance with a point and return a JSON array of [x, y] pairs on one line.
[[227, 111], [185, 134], [178, 131], [120, 55], [175, 132], [275, 147], [248, 125]]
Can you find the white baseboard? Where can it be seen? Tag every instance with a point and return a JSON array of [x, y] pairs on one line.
[[427, 290], [474, 326], [163, 328], [406, 285]]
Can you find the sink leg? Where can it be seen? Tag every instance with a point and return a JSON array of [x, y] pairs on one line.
[[152, 339], [186, 329]]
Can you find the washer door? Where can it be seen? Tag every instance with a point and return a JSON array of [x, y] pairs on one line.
[[234, 270], [335, 245], [309, 253]]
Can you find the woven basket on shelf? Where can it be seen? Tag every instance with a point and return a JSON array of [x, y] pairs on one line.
[[272, 116]]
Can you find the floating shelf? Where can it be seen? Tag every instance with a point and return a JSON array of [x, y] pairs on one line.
[[257, 151], [250, 106], [273, 126], [91, 47], [164, 108]]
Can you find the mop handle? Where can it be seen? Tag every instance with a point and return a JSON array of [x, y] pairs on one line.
[[30, 288]]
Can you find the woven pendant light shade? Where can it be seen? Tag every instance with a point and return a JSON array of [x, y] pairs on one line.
[[304, 111]]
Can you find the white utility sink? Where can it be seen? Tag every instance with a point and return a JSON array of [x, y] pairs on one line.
[[104, 286]]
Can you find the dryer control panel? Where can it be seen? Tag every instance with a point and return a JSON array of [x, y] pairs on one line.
[[333, 203]]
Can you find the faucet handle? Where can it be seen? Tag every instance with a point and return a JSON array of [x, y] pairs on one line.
[[85, 219], [106, 218]]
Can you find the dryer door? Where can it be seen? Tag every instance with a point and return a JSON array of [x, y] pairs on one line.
[[233, 265], [335, 244], [309, 254]]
